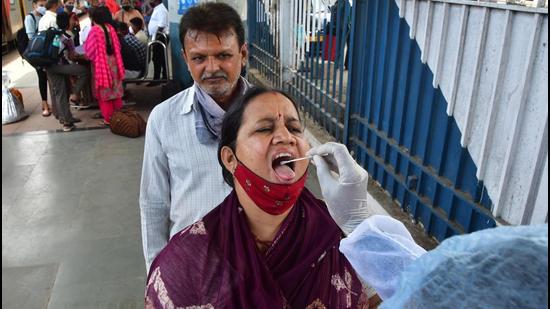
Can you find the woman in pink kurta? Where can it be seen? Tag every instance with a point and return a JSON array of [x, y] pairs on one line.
[[103, 49]]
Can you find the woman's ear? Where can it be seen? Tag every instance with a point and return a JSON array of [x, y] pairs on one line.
[[229, 159]]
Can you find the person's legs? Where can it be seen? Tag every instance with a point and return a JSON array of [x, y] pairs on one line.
[[107, 108], [58, 82], [43, 87], [157, 61]]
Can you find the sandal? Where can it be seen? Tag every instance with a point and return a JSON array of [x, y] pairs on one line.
[[46, 111]]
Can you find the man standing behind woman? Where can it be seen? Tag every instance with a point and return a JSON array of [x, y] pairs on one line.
[[103, 49], [158, 23], [31, 27]]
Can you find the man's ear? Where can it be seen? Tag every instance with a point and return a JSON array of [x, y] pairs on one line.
[[229, 159]]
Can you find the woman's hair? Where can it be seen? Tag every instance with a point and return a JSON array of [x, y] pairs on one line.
[[62, 21], [232, 122], [102, 16], [210, 17]]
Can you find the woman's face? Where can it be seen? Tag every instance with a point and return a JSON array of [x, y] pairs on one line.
[[270, 133]]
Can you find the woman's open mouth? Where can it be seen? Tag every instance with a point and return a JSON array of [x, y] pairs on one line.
[[284, 172]]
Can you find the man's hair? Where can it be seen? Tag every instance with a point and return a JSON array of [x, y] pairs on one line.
[[232, 121], [62, 21], [214, 18], [51, 3], [136, 21]]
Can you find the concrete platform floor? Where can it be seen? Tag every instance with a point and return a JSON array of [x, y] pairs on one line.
[[70, 221]]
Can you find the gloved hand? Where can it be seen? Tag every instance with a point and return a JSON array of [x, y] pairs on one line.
[[343, 184]]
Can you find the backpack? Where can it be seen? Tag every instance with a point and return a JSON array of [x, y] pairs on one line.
[[41, 51], [22, 37]]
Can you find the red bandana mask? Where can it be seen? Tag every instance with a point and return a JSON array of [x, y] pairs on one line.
[[272, 198]]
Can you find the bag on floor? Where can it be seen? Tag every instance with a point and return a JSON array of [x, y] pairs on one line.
[[43, 49], [12, 106], [127, 123]]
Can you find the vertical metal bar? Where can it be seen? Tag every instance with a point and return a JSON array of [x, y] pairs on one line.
[[351, 71], [495, 97], [475, 81], [412, 34], [458, 60], [427, 39], [516, 121], [442, 42], [534, 184]]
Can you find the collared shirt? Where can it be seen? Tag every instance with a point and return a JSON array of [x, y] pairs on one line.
[[137, 48], [159, 18], [209, 115], [47, 21], [84, 33], [181, 179], [31, 24]]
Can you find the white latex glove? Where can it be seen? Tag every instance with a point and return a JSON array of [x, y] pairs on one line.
[[343, 184]]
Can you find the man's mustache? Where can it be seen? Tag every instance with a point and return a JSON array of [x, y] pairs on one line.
[[219, 74]]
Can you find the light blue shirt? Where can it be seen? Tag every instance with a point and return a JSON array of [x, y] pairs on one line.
[[181, 179], [31, 25]]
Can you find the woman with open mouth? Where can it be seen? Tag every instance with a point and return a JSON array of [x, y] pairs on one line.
[[270, 243]]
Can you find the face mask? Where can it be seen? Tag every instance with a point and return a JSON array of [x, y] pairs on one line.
[[86, 4], [272, 198], [69, 8], [41, 10], [126, 7]]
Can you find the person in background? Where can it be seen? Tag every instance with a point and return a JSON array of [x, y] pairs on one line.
[[112, 6], [31, 27], [103, 49], [127, 13], [158, 23], [86, 30], [49, 18], [132, 51], [74, 23], [58, 73], [137, 29]]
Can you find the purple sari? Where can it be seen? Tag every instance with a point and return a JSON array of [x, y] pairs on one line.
[[215, 263]]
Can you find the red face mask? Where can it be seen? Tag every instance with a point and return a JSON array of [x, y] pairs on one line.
[[272, 198]]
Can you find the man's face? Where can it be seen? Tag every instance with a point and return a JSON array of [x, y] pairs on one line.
[[125, 2], [39, 3], [215, 62]]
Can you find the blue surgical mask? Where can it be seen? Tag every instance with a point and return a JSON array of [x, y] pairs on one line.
[[41, 10], [86, 4]]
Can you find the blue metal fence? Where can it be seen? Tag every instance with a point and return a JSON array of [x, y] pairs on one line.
[[385, 109]]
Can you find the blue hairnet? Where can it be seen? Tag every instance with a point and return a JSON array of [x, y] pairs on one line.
[[503, 267]]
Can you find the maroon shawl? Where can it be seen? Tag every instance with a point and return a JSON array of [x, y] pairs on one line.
[[215, 263]]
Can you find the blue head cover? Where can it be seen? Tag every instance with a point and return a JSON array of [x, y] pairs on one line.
[[503, 267]]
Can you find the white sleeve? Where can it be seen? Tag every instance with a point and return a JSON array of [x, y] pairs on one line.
[[154, 197]]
